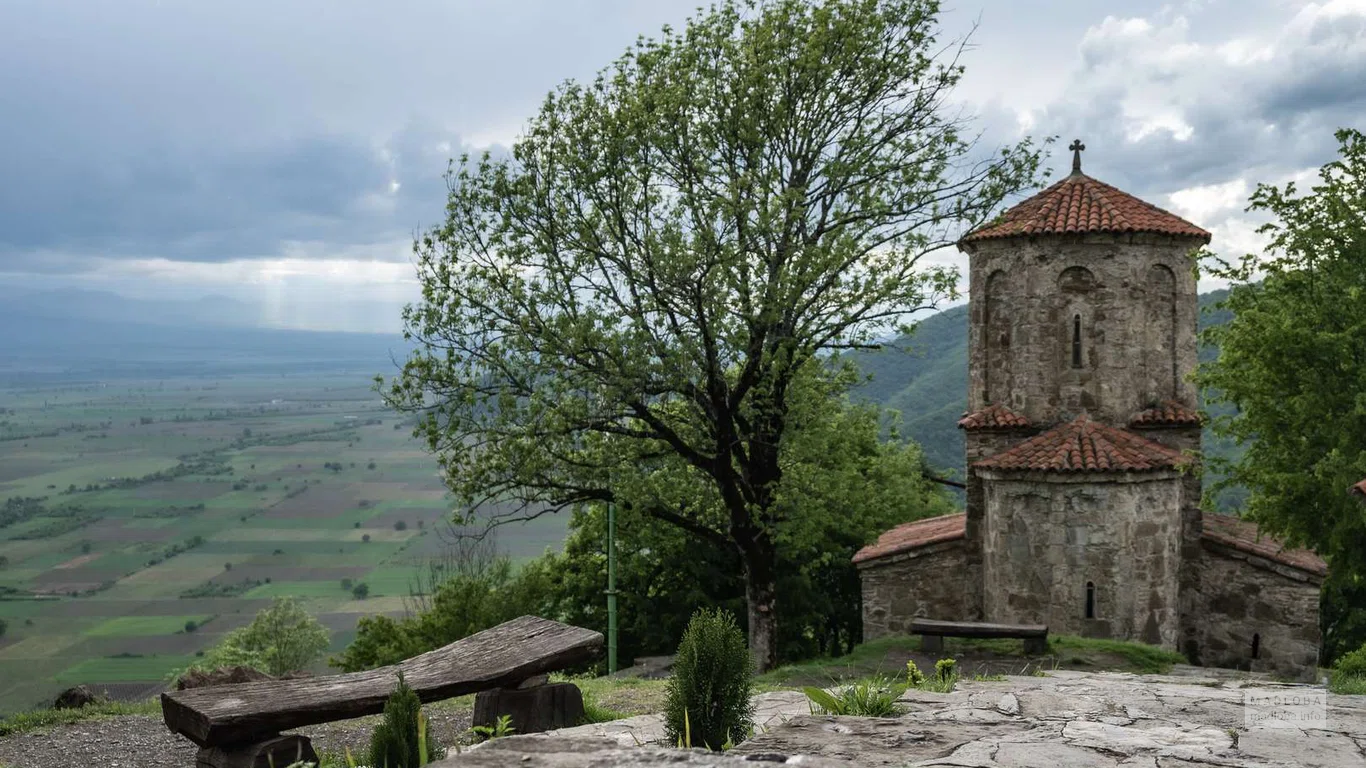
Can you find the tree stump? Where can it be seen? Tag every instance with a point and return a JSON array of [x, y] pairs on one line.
[[534, 709], [275, 752]]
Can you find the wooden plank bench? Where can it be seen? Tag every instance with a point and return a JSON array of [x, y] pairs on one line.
[[237, 726], [933, 632]]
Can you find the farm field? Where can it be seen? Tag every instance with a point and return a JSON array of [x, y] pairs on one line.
[[142, 520]]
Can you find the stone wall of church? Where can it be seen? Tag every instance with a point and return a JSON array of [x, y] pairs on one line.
[[1057, 547], [1255, 614], [928, 582], [1100, 322], [1186, 440], [980, 444]]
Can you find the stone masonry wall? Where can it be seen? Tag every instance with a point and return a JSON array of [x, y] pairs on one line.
[[1047, 537], [928, 582], [1242, 597], [1133, 298], [980, 445], [1186, 440]]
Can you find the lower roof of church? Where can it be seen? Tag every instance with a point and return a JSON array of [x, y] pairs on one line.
[[1229, 531], [1085, 445]]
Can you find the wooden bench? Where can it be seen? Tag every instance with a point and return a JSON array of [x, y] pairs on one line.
[[932, 633], [240, 726]]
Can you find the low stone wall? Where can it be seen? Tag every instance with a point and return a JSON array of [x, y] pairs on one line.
[[929, 582], [1244, 598]]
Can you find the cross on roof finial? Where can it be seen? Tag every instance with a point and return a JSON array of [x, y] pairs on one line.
[[1076, 148]]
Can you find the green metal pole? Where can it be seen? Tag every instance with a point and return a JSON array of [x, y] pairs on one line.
[[611, 588]]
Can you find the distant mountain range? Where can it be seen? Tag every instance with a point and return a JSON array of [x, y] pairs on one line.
[[925, 377]]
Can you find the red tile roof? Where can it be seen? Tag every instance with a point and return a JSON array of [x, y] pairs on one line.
[[1244, 536], [920, 533], [1168, 413], [1079, 203], [1359, 488], [1083, 445], [992, 417]]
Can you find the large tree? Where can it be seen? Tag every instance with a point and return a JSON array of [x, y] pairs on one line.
[[1292, 364], [629, 297]]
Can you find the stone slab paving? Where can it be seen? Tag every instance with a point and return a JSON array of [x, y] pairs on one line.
[[1086, 720], [1062, 720]]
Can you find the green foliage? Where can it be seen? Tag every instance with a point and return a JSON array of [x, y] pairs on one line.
[[1349, 673], [500, 728], [712, 683], [595, 326], [282, 638], [914, 677], [1292, 369], [360, 591], [473, 594], [875, 697], [945, 669], [401, 739]]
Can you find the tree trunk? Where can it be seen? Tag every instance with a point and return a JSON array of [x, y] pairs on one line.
[[761, 562]]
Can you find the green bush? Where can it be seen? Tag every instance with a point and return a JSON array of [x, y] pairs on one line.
[[1349, 672], [1352, 664], [708, 701], [280, 639], [402, 739]]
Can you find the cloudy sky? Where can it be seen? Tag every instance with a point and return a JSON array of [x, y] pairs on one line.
[[284, 152]]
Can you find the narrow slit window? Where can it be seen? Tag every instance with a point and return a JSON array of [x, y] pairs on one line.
[[1076, 341], [1256, 645], [1090, 600]]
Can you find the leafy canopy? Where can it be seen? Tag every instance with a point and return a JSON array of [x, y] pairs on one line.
[[282, 638], [624, 306], [1292, 364]]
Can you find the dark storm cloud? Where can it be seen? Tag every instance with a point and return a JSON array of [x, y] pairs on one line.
[[215, 203], [214, 131]]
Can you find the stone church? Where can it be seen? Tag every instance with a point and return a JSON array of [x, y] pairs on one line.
[[1082, 506]]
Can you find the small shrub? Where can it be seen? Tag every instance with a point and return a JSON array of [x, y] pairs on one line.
[[401, 525], [944, 669], [402, 739], [1349, 672], [914, 677], [191, 625], [360, 591], [365, 538], [708, 701]]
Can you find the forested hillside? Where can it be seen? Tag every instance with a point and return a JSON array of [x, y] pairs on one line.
[[925, 378]]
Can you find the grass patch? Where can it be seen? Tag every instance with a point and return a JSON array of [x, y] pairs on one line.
[[44, 718], [868, 654], [1347, 684], [1136, 657]]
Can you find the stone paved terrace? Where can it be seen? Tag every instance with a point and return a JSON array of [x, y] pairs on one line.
[[1063, 720]]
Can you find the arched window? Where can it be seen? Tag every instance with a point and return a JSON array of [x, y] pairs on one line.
[[1256, 645], [1090, 600], [1076, 341]]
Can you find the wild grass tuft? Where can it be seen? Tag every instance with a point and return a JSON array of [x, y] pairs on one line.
[[43, 718], [874, 697]]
